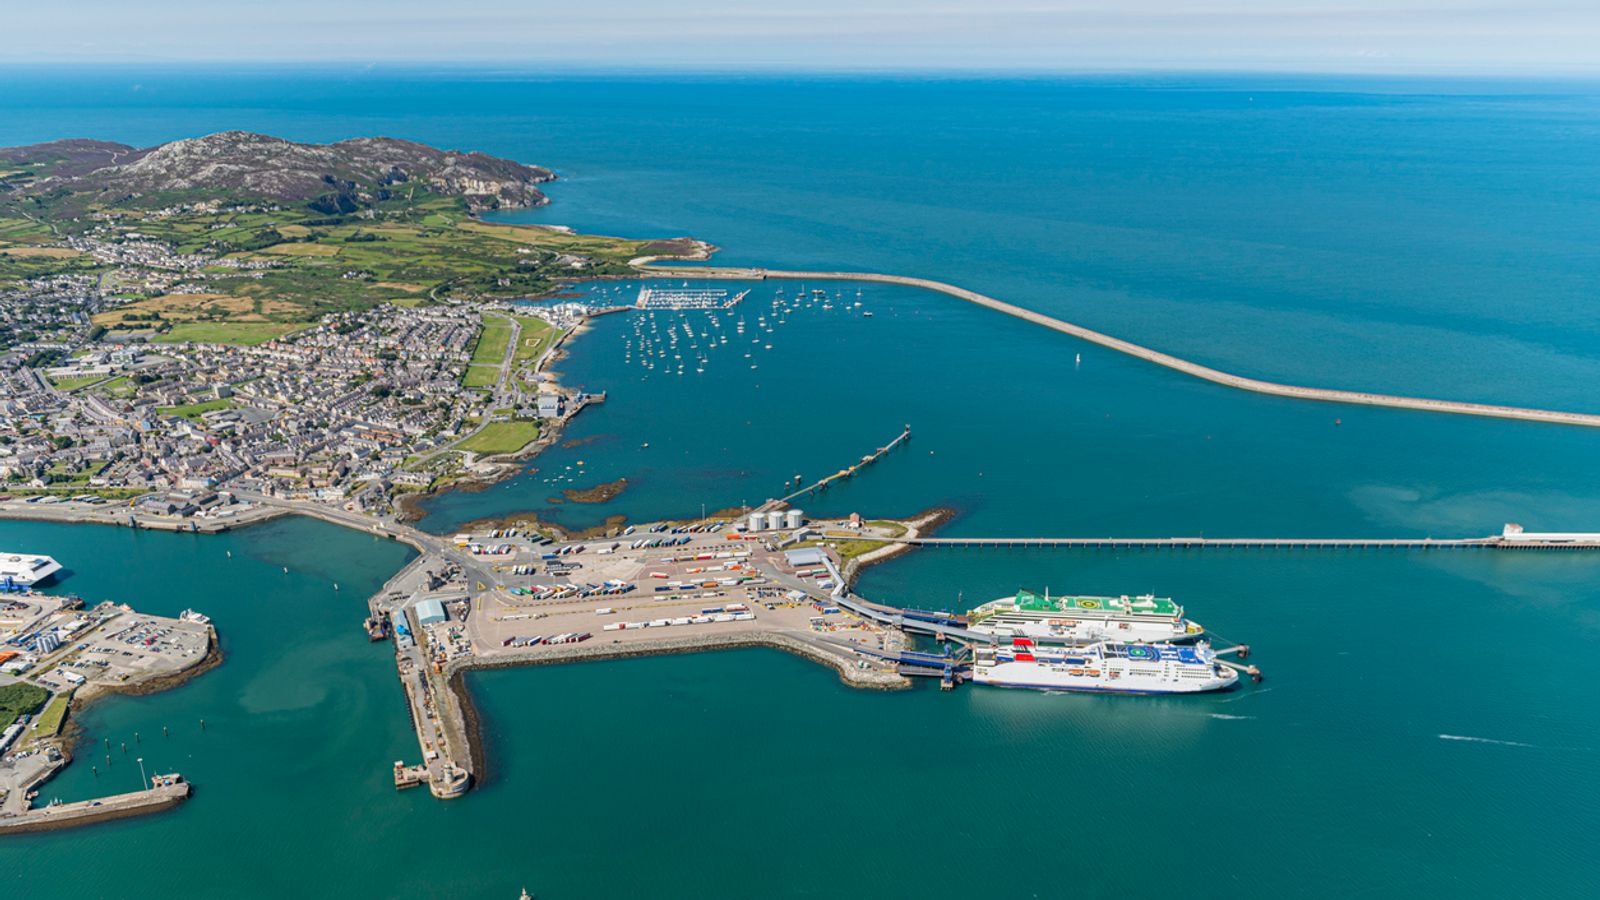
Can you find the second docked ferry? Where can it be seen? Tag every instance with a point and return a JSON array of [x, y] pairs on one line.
[[1085, 620]]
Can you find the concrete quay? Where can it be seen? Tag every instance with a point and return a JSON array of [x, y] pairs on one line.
[[802, 644], [1177, 364], [166, 793]]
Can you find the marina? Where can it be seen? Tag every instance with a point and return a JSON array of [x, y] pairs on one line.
[[687, 298]]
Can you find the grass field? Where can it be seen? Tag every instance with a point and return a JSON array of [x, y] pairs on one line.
[[19, 699], [247, 333], [24, 230], [46, 252], [502, 437], [120, 386], [52, 717], [849, 550], [492, 341], [193, 411], [301, 249], [72, 384], [537, 335], [480, 376], [484, 370]]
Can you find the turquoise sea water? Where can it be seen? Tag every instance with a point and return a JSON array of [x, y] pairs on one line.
[[1426, 726]]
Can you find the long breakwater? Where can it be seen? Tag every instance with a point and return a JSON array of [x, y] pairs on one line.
[[1138, 351]]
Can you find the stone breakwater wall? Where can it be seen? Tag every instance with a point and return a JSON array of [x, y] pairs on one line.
[[1178, 364]]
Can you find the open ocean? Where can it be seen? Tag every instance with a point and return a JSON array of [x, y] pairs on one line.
[[1428, 724]]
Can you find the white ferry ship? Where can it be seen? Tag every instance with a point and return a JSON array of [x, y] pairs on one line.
[[1085, 620], [1109, 667], [26, 569]]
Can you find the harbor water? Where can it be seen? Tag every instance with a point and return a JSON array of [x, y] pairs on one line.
[[1426, 724]]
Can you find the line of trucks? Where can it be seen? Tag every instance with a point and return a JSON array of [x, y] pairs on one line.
[[579, 591], [732, 612]]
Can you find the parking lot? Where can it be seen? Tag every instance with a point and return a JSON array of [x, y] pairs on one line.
[[650, 584]]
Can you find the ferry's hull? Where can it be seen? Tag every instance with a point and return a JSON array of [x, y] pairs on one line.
[[1104, 689], [1104, 677]]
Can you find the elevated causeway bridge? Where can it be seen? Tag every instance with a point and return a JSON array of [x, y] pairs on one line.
[[1495, 542]]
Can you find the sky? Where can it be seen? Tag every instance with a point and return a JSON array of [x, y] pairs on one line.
[[1344, 36]]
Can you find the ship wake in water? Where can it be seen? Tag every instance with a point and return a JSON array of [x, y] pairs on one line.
[[1483, 740]]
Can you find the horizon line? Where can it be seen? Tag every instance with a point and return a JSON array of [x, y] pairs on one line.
[[591, 69]]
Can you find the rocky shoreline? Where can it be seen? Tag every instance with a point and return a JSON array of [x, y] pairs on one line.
[[212, 658], [922, 525]]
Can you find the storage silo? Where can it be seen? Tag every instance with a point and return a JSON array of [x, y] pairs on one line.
[[775, 519], [757, 521], [794, 518]]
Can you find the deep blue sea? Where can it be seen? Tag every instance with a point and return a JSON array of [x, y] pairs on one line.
[[1428, 724]]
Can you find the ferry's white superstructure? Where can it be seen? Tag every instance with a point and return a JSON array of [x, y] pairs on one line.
[[1085, 620], [26, 569], [1109, 667]]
